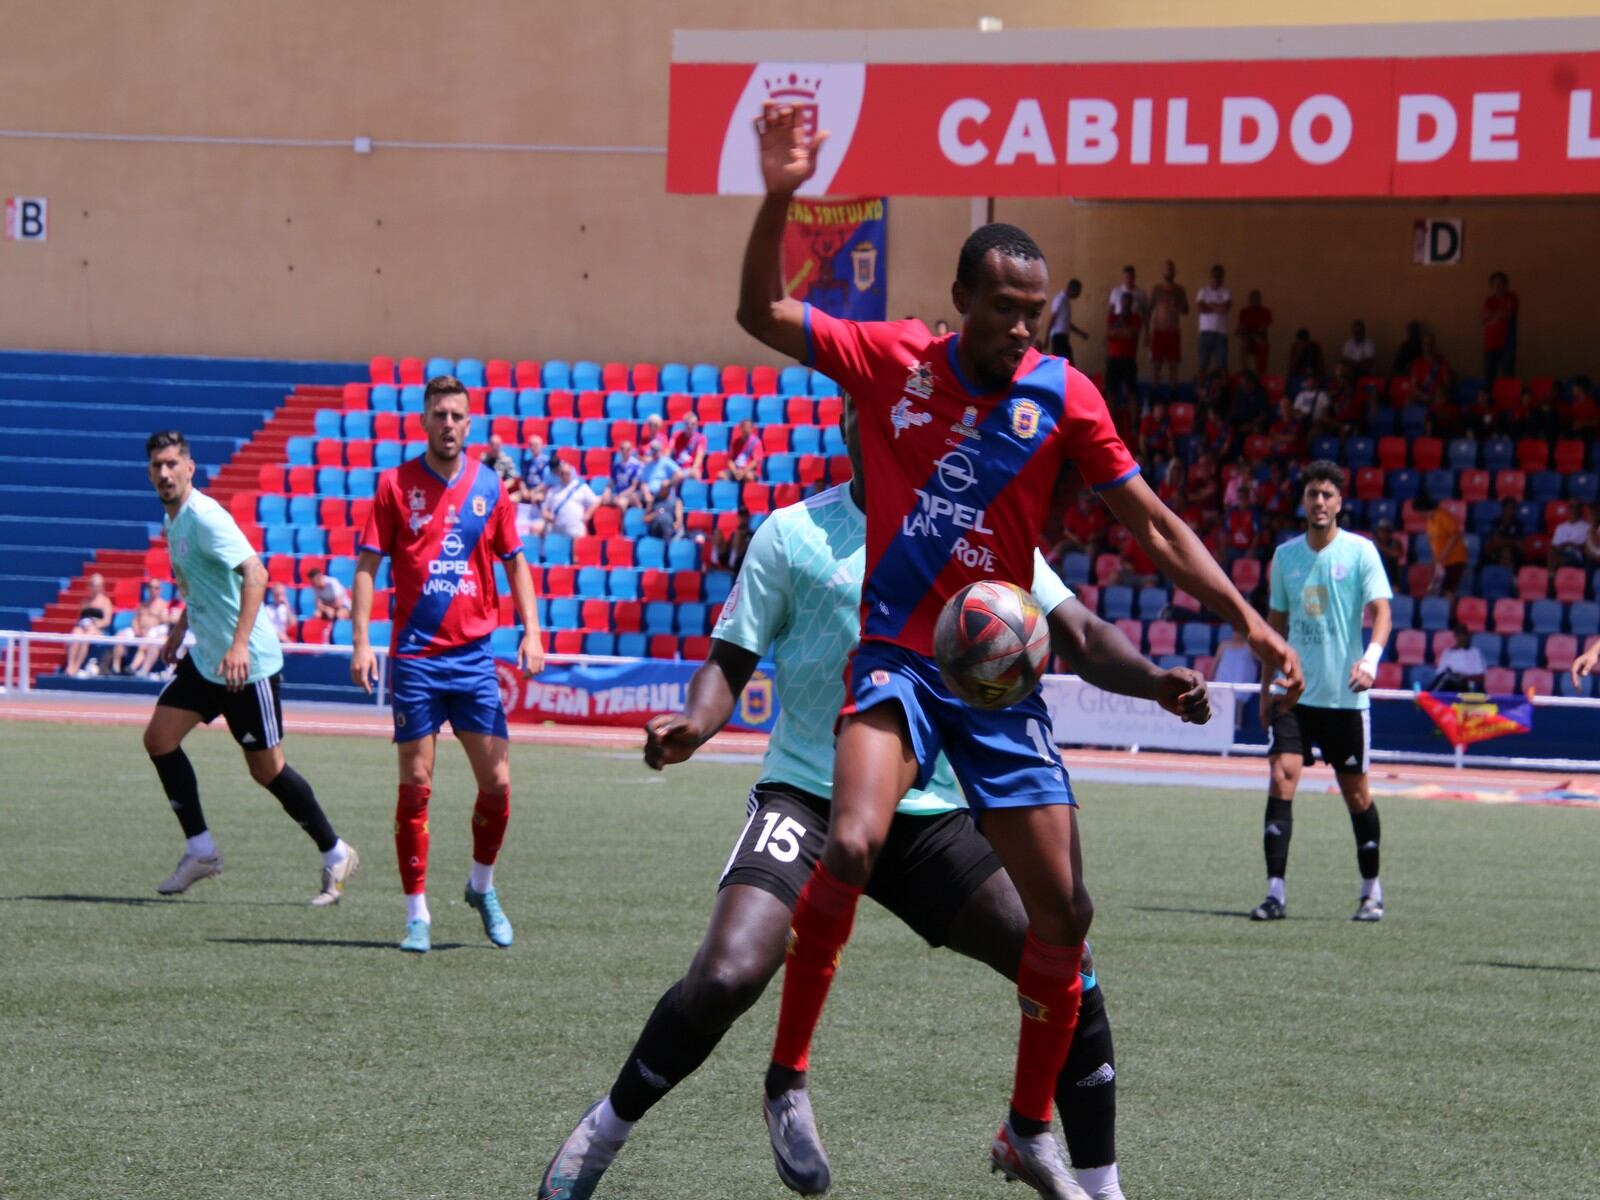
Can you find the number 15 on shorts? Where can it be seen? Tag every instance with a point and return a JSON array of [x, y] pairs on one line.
[[780, 837]]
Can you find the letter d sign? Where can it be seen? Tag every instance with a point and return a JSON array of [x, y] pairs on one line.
[[1437, 242], [27, 218]]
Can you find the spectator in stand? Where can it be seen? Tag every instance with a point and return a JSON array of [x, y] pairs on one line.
[[1539, 417], [1204, 488], [941, 327], [663, 513], [1448, 542], [1409, 349], [1058, 332], [1251, 408], [654, 432], [658, 470], [1392, 550], [1235, 479], [689, 447], [1216, 435], [1171, 489], [1169, 304], [1430, 374], [1083, 528], [1136, 568], [1503, 545], [1212, 536], [1571, 539], [1499, 329], [149, 621], [1255, 319], [496, 457], [1350, 405], [1583, 411], [728, 549], [280, 612], [625, 487], [1591, 544], [537, 474], [1305, 355], [1155, 434], [1122, 346], [332, 597], [93, 617], [1128, 287], [1276, 495], [1241, 525], [744, 454], [1312, 403], [1461, 667], [1214, 302], [1235, 663], [569, 502], [1359, 350], [1287, 433], [1448, 420]]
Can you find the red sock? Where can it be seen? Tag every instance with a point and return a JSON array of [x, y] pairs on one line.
[[818, 932], [489, 818], [411, 836], [1048, 989]]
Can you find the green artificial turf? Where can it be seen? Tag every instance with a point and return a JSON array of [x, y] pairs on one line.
[[236, 1043]]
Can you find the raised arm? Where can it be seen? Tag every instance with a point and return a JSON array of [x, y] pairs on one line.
[[713, 690], [788, 159], [1102, 654]]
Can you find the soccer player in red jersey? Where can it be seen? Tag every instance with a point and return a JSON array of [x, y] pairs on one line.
[[962, 439], [443, 520]]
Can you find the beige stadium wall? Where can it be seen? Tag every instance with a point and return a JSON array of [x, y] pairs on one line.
[[319, 252]]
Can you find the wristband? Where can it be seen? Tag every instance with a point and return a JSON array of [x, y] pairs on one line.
[[1372, 657]]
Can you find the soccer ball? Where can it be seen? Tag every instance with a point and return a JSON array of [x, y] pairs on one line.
[[991, 643]]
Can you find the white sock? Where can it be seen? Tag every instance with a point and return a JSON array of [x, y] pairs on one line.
[[1276, 890], [417, 908], [482, 877], [1100, 1182], [1372, 887], [610, 1127], [340, 852], [201, 845]]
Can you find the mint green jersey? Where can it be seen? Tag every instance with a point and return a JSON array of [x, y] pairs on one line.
[[205, 546], [798, 601], [1325, 594]]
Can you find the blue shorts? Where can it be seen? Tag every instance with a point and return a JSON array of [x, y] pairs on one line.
[[459, 686], [1004, 758]]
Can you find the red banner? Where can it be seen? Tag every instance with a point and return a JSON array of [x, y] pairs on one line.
[[1468, 719], [1489, 124]]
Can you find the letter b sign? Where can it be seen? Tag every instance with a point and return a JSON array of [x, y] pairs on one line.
[[27, 218]]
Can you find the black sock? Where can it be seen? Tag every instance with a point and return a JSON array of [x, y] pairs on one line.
[[183, 790], [782, 1079], [1086, 1091], [1277, 829], [1365, 824], [1027, 1126], [669, 1050], [300, 802]]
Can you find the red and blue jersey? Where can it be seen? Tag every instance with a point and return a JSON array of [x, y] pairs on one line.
[[442, 537], [959, 481]]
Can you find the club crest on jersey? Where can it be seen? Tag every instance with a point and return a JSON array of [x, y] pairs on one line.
[[1024, 418], [880, 678], [480, 506], [417, 500], [1339, 571], [452, 518], [903, 417], [919, 380], [968, 425]]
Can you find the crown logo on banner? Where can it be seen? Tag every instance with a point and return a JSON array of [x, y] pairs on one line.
[[800, 93]]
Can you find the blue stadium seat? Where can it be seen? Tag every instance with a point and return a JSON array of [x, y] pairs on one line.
[[1522, 651], [632, 645], [600, 644], [344, 570], [329, 423], [533, 402], [1441, 483], [594, 434], [564, 613], [439, 366], [272, 510], [779, 468], [1325, 447], [503, 642], [502, 402], [806, 439], [556, 550], [1495, 582], [691, 619], [648, 404], [650, 554], [632, 524], [502, 581], [1546, 616], [725, 496], [1420, 677], [586, 376], [716, 437], [121, 620], [303, 511], [1360, 452], [361, 483], [1421, 549], [278, 539], [411, 398], [330, 481], [619, 406], [673, 378], [385, 397], [716, 587], [387, 455], [832, 441], [1382, 510], [1413, 421], [1544, 486], [470, 372], [1197, 638], [1384, 420], [342, 633], [556, 374], [769, 410], [310, 541], [1583, 485], [1168, 662], [694, 494], [658, 617], [1462, 453], [704, 380], [1499, 454], [1492, 646], [1483, 514], [301, 451], [1565, 687], [821, 385], [357, 426], [591, 583], [1403, 611], [478, 435], [1074, 569], [1435, 613], [794, 381], [1530, 516], [1404, 485], [738, 408], [541, 609], [1151, 601], [683, 555], [1116, 603], [305, 602], [563, 432], [1583, 618], [622, 583]]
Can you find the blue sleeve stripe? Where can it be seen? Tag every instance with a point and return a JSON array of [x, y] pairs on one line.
[[811, 350], [374, 549], [513, 554], [1118, 481]]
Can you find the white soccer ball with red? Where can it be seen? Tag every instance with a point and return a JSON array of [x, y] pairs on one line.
[[991, 644]]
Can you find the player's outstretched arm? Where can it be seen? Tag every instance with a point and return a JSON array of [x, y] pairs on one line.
[[363, 662], [530, 651], [713, 689], [1585, 663], [1181, 556], [1102, 654], [788, 158]]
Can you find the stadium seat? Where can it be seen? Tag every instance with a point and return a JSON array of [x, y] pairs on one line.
[[591, 583], [683, 555], [1392, 453], [1571, 584], [1462, 453], [1427, 454], [1496, 582], [1152, 600], [1491, 645], [1533, 454], [1389, 678], [763, 381], [1403, 610], [1533, 583], [1116, 602], [1132, 629], [1510, 615], [1522, 651], [1473, 612], [1538, 681], [1369, 483], [663, 645], [1546, 487], [1198, 638], [1546, 616], [1404, 485], [1583, 618], [821, 385], [1325, 447], [830, 410], [1106, 569], [1411, 647], [1473, 485], [1419, 578], [1500, 680], [1435, 612], [1559, 651], [794, 381]]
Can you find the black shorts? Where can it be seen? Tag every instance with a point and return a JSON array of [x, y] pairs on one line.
[[254, 712], [1344, 735], [928, 869]]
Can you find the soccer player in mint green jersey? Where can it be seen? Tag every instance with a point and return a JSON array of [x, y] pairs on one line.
[[1323, 584], [797, 599], [233, 670]]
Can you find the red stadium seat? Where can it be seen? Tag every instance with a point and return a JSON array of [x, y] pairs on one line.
[[570, 454], [1499, 680], [1400, 391], [800, 410], [1181, 418], [757, 497], [280, 569], [1391, 454], [655, 585], [1571, 584], [663, 645], [411, 429], [606, 521], [619, 550], [775, 439], [1411, 648], [716, 464], [561, 403], [735, 381], [1536, 548], [1272, 383], [595, 616], [646, 377], [1443, 640], [333, 513], [342, 542], [1369, 483], [1184, 602], [678, 407], [1533, 454], [505, 428], [1419, 578], [307, 563], [1427, 454], [568, 641], [1412, 518], [596, 461], [1510, 615], [839, 469], [1559, 651], [535, 427], [697, 648], [1538, 681], [587, 551], [627, 616], [412, 372], [359, 511], [497, 373], [315, 631], [1246, 573], [710, 409], [591, 406], [526, 373], [241, 507], [830, 410], [1390, 677], [624, 431], [700, 521], [1474, 485], [355, 397], [614, 377], [386, 426], [1370, 385], [1510, 484], [1133, 630], [1556, 512], [380, 369], [1473, 612], [1163, 638], [763, 381], [1106, 569], [358, 454], [686, 587], [269, 479], [1258, 448], [302, 481], [1569, 455], [811, 469], [560, 581], [785, 494], [727, 523], [1542, 387], [1506, 392]]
